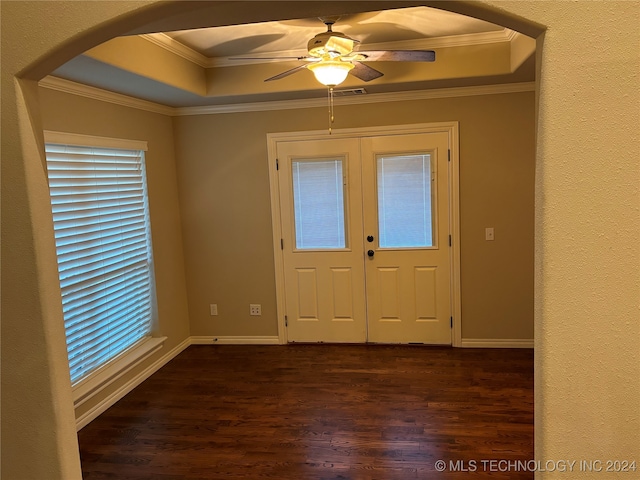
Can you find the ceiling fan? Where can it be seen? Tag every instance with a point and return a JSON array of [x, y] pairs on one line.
[[331, 57]]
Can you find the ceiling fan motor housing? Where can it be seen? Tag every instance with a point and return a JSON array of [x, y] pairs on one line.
[[333, 44]]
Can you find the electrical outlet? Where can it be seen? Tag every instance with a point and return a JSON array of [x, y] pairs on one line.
[[213, 309], [255, 309], [488, 233]]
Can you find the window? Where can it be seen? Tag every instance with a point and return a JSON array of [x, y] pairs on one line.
[[101, 224], [318, 202], [404, 201]]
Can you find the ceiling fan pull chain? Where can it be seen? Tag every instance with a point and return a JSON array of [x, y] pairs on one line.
[[330, 108]]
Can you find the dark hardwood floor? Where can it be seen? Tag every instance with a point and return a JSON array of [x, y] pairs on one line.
[[320, 412]]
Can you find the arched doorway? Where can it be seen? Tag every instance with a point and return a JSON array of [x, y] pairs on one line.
[[39, 258]]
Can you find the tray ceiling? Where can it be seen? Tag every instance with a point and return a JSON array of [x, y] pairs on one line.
[[192, 67]]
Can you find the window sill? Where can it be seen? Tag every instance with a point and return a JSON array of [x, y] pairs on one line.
[[111, 372]]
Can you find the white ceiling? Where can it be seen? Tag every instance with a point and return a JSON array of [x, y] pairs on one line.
[[381, 27], [209, 49]]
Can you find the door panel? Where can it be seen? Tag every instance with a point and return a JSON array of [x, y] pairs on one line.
[[307, 294], [321, 210], [405, 188], [388, 294], [425, 293], [342, 281]]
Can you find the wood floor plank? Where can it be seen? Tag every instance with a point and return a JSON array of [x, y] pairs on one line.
[[319, 412]]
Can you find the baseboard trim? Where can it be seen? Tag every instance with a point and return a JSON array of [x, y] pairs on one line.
[[101, 407], [497, 343], [226, 340], [110, 373]]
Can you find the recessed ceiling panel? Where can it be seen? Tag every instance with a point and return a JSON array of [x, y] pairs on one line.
[[372, 27]]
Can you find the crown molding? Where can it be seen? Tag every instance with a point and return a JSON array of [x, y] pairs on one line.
[[165, 41], [469, 39], [511, 35], [174, 46], [360, 99], [74, 88]]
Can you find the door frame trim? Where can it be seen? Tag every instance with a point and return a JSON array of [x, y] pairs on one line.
[[451, 128]]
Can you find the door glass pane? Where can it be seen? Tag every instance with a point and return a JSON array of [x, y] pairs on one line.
[[318, 199], [404, 201]]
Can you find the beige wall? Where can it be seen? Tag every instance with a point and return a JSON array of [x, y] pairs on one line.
[[587, 230], [587, 284], [224, 192], [63, 112]]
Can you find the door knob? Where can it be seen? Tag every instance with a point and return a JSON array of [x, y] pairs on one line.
[[370, 253], [370, 238]]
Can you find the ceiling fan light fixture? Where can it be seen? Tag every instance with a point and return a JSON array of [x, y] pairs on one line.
[[330, 72]]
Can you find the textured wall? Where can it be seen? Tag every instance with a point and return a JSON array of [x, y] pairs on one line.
[[588, 226]]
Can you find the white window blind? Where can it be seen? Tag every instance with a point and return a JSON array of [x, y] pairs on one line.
[[101, 223], [404, 201], [318, 200]]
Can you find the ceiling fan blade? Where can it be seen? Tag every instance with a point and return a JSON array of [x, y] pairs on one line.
[[364, 72], [287, 73], [267, 58], [397, 56]]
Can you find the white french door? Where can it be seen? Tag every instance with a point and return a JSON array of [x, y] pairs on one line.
[[365, 238], [406, 225], [321, 214]]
